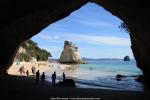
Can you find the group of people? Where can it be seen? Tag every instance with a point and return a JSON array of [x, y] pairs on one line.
[[43, 77], [38, 76], [22, 70]]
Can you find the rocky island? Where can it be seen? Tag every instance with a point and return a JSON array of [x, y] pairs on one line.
[[70, 54], [126, 58]]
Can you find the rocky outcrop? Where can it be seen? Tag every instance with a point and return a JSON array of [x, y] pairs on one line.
[[126, 58], [119, 77], [22, 50], [29, 51], [67, 83], [70, 54]]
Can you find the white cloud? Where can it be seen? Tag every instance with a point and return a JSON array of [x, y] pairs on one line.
[[48, 37], [52, 48], [93, 23], [116, 41], [92, 39]]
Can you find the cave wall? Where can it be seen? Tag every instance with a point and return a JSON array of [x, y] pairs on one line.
[[22, 19]]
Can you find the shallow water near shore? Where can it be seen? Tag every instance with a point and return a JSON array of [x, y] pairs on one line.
[[101, 74]]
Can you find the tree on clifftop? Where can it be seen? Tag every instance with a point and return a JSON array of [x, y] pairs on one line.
[[32, 50]]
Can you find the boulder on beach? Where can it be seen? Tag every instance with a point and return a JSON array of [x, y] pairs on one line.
[[119, 77], [67, 83], [126, 58], [70, 54]]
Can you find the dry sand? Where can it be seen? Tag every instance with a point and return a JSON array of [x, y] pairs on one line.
[[41, 65]]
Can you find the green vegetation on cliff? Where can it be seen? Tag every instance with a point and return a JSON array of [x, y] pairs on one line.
[[32, 51]]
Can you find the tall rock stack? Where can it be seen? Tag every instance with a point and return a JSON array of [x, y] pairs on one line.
[[70, 54]]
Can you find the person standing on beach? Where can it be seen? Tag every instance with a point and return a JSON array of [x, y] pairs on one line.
[[64, 76], [33, 69], [27, 73], [22, 70], [37, 76], [43, 78], [53, 79]]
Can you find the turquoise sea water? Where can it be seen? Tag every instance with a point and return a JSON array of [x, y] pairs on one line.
[[101, 74]]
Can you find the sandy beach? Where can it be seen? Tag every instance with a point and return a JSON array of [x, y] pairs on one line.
[[21, 87], [40, 65]]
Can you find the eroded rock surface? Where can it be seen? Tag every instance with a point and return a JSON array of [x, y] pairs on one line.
[[70, 53]]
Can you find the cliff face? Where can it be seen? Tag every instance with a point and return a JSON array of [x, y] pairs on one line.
[[22, 50], [30, 51], [70, 53]]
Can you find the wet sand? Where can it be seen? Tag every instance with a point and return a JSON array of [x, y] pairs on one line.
[[24, 88]]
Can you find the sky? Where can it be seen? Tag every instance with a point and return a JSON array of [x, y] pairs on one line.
[[92, 29]]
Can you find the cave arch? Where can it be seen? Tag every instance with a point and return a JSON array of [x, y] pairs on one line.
[[21, 20]]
